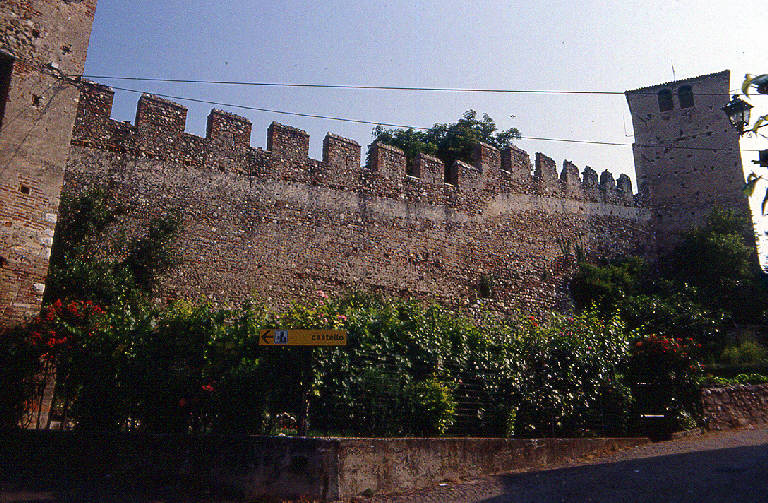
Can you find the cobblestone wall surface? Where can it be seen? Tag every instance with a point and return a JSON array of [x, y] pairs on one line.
[[280, 226], [735, 406]]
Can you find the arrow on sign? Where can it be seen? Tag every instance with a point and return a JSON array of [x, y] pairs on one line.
[[266, 336]]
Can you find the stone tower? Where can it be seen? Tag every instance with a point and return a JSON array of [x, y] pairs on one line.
[[42, 44], [687, 156]]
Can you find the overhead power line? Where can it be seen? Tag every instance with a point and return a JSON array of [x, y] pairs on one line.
[[406, 126], [367, 87]]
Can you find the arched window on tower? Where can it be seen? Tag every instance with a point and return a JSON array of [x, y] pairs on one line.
[[665, 100], [685, 95]]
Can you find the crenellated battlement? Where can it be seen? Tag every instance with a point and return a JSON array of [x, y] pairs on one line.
[[275, 223], [228, 130], [159, 132]]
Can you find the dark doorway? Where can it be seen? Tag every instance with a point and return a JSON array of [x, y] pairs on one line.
[[6, 68]]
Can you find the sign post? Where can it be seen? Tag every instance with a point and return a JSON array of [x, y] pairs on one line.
[[310, 339]]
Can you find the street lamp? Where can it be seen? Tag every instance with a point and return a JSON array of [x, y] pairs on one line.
[[737, 111]]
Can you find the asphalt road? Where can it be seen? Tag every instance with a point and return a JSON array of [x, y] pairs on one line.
[[713, 468]]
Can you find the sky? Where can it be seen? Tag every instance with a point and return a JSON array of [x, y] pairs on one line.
[[566, 45]]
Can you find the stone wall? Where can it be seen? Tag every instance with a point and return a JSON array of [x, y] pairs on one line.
[[43, 41], [278, 225], [263, 467], [735, 406]]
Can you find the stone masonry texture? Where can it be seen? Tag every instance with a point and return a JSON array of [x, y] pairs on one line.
[[275, 225], [687, 158], [735, 406], [279, 226], [42, 42]]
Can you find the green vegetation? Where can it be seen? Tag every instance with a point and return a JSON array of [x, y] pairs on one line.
[[407, 370], [125, 363], [710, 282], [94, 259], [747, 353], [448, 142], [739, 379]]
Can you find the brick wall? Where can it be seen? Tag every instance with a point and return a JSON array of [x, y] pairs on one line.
[[46, 40]]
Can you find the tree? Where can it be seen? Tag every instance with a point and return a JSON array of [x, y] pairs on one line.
[[93, 260], [448, 142], [710, 279], [760, 83], [719, 261]]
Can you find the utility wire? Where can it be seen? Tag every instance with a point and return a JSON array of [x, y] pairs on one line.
[[389, 124], [270, 110], [366, 87]]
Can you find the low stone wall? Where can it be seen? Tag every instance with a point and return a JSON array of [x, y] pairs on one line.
[[270, 467], [735, 406], [396, 464]]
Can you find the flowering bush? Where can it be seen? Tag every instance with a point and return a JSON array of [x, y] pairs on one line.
[[408, 369], [48, 343], [664, 373], [569, 371]]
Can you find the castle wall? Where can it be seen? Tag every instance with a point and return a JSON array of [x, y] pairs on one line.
[[42, 41], [280, 226], [687, 158]]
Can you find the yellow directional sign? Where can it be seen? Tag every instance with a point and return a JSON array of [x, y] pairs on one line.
[[303, 338]]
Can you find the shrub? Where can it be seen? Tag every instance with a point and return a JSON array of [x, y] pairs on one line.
[[664, 373], [19, 365], [432, 407], [402, 357], [604, 286], [568, 369], [408, 369], [746, 353]]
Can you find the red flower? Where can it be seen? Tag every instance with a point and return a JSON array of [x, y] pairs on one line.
[[57, 304], [207, 388], [183, 403]]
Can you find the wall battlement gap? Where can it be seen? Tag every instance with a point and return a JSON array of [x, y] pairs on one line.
[[159, 132]]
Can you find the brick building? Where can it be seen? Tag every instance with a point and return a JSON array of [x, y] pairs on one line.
[[41, 42]]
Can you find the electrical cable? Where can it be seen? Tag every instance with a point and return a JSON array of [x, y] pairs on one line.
[[389, 124], [368, 87]]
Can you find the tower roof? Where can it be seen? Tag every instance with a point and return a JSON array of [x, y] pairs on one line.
[[724, 73]]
